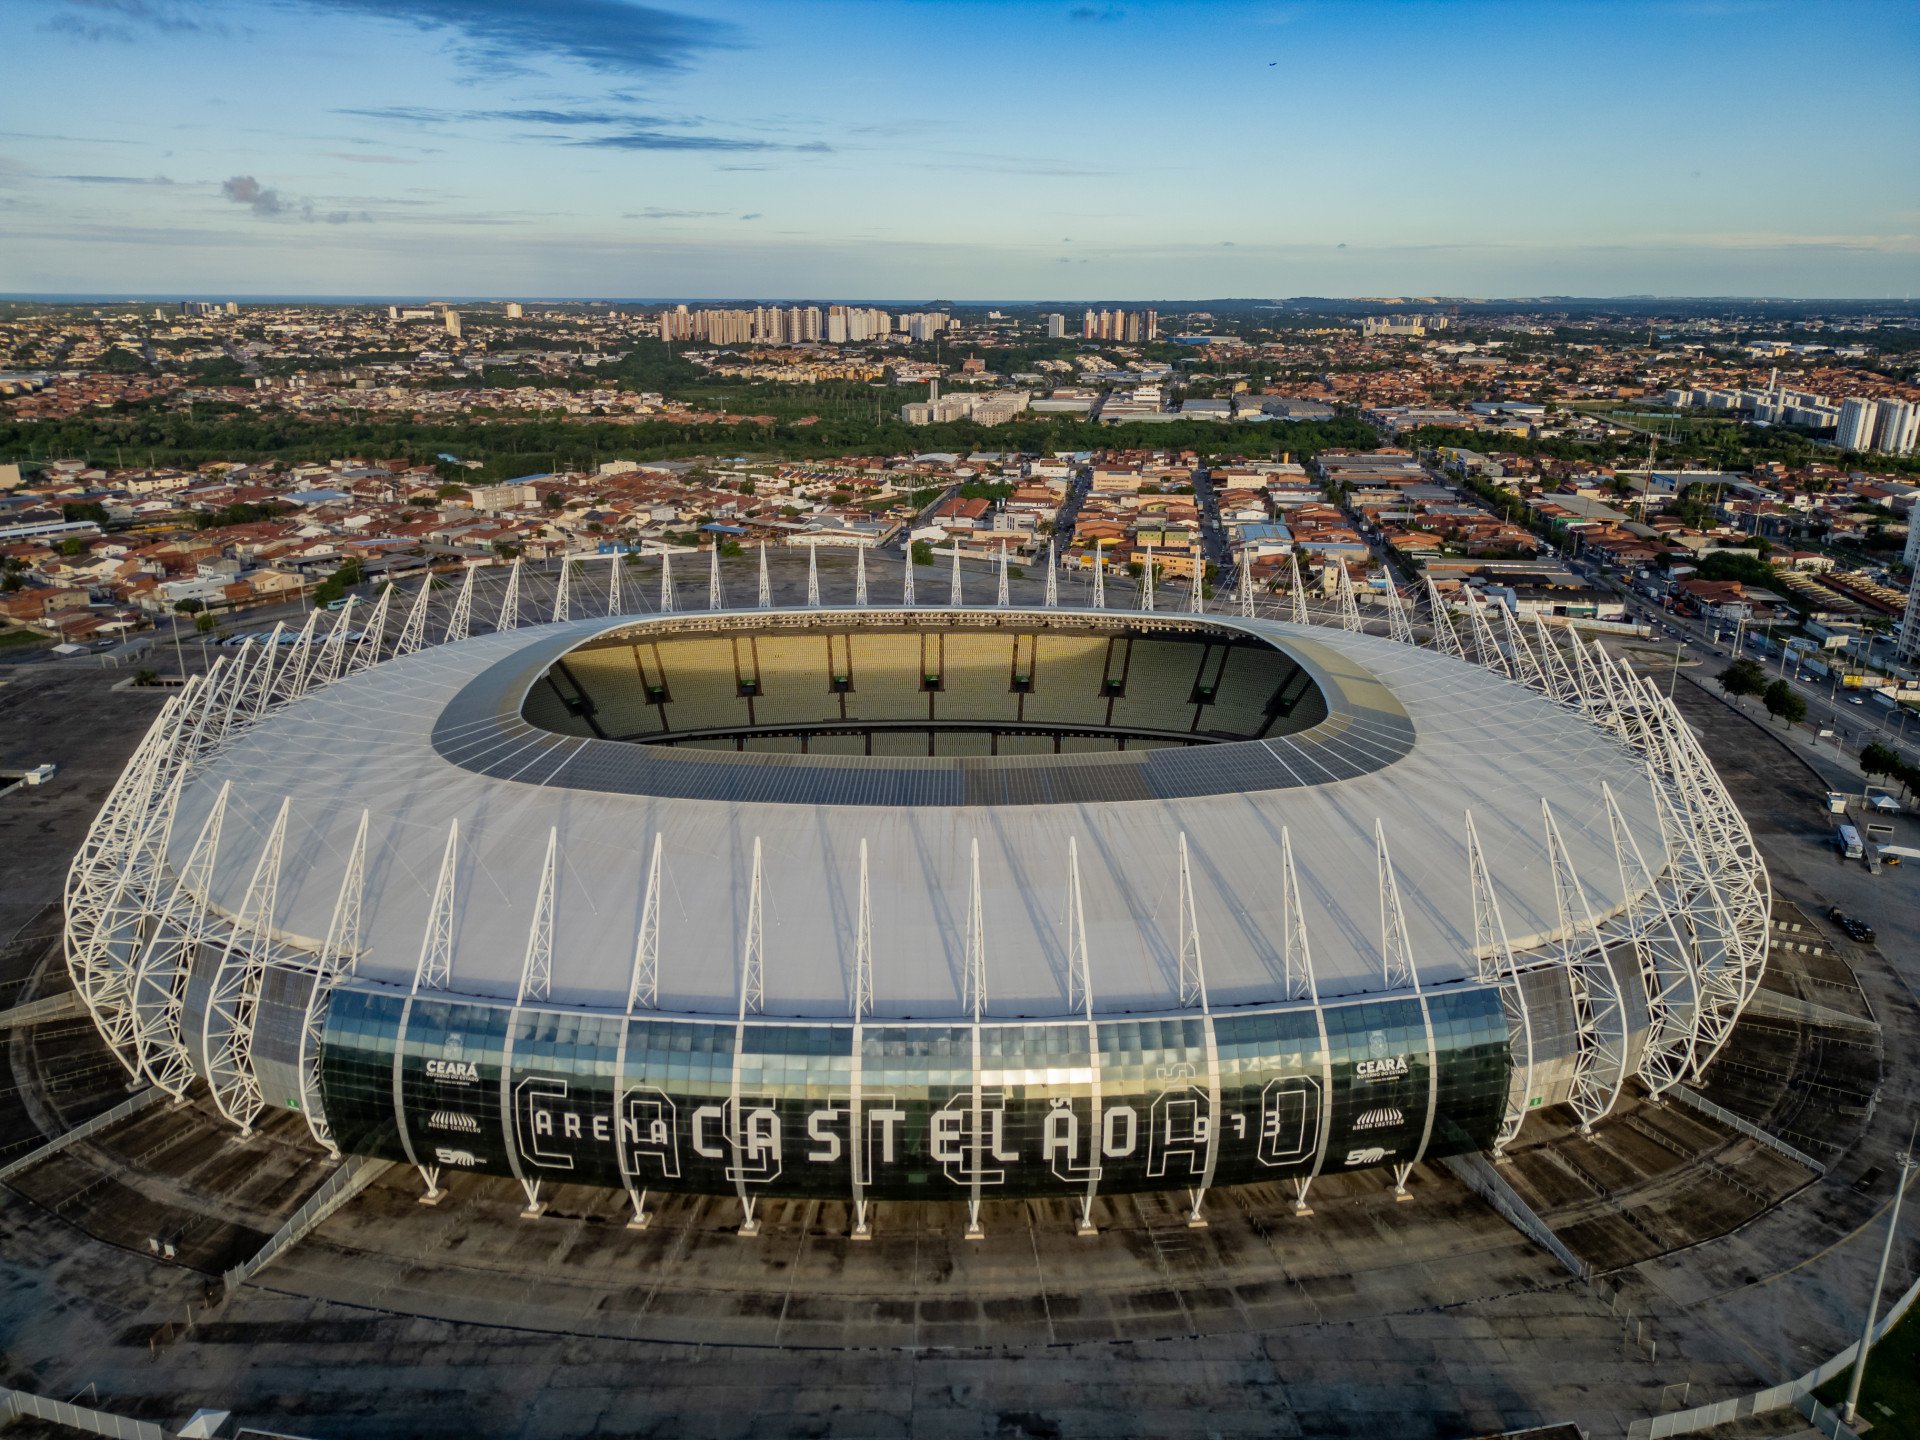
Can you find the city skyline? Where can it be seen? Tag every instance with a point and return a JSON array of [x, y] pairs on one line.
[[972, 151]]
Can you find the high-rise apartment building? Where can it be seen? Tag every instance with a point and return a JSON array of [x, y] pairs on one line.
[[1129, 327], [1056, 327], [728, 327], [514, 310], [453, 323], [794, 325], [1898, 428], [1403, 326], [1857, 420], [1907, 641], [855, 323], [923, 326]]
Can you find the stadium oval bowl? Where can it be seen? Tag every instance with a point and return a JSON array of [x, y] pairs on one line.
[[934, 904]]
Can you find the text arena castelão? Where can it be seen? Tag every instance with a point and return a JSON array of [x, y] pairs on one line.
[[942, 904]]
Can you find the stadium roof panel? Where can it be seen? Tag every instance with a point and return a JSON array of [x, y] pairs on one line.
[[430, 737]]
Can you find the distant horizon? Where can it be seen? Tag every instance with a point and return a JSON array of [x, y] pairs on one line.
[[178, 296]]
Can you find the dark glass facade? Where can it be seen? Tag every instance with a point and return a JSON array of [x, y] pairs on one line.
[[913, 1111]]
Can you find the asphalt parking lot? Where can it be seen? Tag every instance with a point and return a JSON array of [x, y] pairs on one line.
[[68, 714]]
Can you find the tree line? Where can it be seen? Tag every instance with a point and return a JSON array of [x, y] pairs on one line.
[[521, 446]]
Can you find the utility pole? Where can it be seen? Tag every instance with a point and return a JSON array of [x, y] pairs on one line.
[[1851, 1414]]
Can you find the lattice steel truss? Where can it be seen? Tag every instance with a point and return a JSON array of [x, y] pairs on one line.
[[228, 1017], [1699, 924]]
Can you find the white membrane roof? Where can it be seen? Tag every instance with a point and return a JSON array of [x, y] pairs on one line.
[[1480, 741]]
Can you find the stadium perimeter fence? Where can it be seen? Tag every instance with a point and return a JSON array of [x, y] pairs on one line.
[[19, 1405], [1797, 1393]]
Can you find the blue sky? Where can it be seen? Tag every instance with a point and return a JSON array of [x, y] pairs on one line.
[[965, 149]]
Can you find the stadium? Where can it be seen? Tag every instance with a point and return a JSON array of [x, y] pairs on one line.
[[882, 903]]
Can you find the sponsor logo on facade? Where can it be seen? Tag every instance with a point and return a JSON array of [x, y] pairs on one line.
[[453, 1120], [1387, 1117], [454, 1072], [465, 1159], [1381, 1063], [1389, 1069], [1371, 1155]]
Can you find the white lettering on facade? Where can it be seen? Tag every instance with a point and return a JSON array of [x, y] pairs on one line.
[[996, 1134], [948, 1128], [703, 1117], [889, 1122], [817, 1131]]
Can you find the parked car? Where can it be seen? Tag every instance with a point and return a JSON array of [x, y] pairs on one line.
[[1857, 929]]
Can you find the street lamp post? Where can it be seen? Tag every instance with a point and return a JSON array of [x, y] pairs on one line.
[[1851, 1414]]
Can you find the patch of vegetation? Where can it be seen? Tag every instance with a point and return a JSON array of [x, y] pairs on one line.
[[1721, 565], [1744, 676], [1783, 704], [236, 515], [336, 585], [508, 448], [119, 361], [1890, 1393]]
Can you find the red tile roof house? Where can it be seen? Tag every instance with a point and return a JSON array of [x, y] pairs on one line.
[[1721, 599], [959, 513]]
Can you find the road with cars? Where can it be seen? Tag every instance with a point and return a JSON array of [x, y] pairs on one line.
[[1854, 721]]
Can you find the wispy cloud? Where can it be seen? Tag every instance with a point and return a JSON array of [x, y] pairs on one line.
[[654, 212], [423, 115], [664, 140], [70, 139], [570, 117], [270, 204], [611, 36], [367, 159], [115, 179], [122, 20], [626, 130]]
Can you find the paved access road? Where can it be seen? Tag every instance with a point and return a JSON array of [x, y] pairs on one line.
[[1854, 725]]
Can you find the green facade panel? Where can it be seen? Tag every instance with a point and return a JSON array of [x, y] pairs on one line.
[[927, 1111]]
